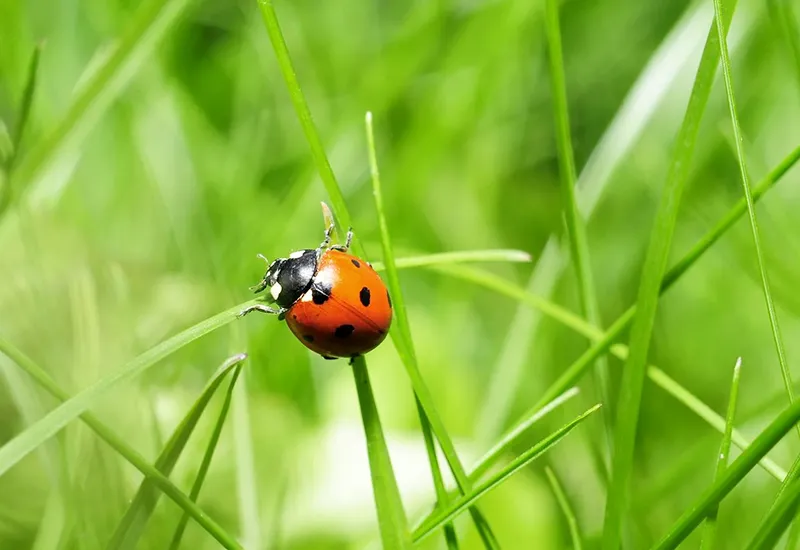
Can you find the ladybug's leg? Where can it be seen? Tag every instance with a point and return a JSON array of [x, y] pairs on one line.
[[347, 241], [262, 308]]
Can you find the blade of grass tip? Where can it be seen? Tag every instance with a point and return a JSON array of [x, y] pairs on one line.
[[655, 263], [401, 337], [130, 528], [304, 114], [146, 29], [576, 230], [724, 450], [24, 443], [738, 469], [114, 441], [737, 133], [27, 102], [208, 455], [778, 519], [442, 498], [566, 508], [391, 514], [434, 522]]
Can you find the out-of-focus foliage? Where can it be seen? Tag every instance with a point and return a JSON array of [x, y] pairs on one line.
[[151, 216]]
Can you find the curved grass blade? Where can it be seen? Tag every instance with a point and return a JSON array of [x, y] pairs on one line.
[[130, 528], [569, 514], [576, 230], [391, 514], [558, 313], [783, 512], [434, 522], [630, 394], [205, 464], [746, 461], [147, 27], [120, 446], [24, 443], [722, 459], [401, 336]]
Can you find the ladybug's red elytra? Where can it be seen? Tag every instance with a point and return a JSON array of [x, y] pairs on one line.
[[333, 302]]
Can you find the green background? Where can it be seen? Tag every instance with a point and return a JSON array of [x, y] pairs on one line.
[[148, 217]]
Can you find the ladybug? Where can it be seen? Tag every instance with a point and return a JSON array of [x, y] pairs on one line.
[[333, 302]]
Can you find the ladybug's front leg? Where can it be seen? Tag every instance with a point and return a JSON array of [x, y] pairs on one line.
[[347, 241], [263, 309]]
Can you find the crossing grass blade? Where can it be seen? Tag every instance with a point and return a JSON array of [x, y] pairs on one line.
[[709, 532], [433, 522], [24, 443], [147, 27], [117, 443], [783, 513], [208, 455], [392, 518], [130, 528], [576, 230], [401, 336], [558, 313], [630, 394], [738, 469], [566, 508]]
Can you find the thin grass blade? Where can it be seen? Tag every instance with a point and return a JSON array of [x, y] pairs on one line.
[[783, 513], [576, 230], [27, 102], [401, 337], [434, 522], [131, 526], [649, 290], [391, 514], [461, 256], [566, 508], [118, 444], [24, 443], [739, 468], [785, 19], [208, 455], [709, 532]]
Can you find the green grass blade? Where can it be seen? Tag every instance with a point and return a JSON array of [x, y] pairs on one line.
[[207, 457], [576, 230], [781, 12], [401, 337], [442, 498], [461, 256], [604, 340], [131, 526], [120, 446], [724, 451], [739, 468], [24, 443], [566, 508], [27, 102], [436, 521], [783, 512], [147, 27], [719, 17], [391, 514], [649, 289]]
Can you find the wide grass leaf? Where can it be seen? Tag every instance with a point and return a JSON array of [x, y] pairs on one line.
[[130, 528]]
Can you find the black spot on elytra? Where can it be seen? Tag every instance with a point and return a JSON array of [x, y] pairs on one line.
[[364, 296], [343, 331], [318, 296], [355, 263], [389, 298], [308, 338], [294, 317]]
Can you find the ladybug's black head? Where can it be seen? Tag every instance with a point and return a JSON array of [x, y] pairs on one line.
[[289, 278]]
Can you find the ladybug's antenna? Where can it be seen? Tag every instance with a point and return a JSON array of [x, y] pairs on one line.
[[263, 284]]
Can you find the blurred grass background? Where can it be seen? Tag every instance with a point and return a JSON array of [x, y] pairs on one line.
[[149, 217]]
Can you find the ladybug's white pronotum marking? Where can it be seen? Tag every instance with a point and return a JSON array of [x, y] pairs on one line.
[[295, 255], [275, 290]]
